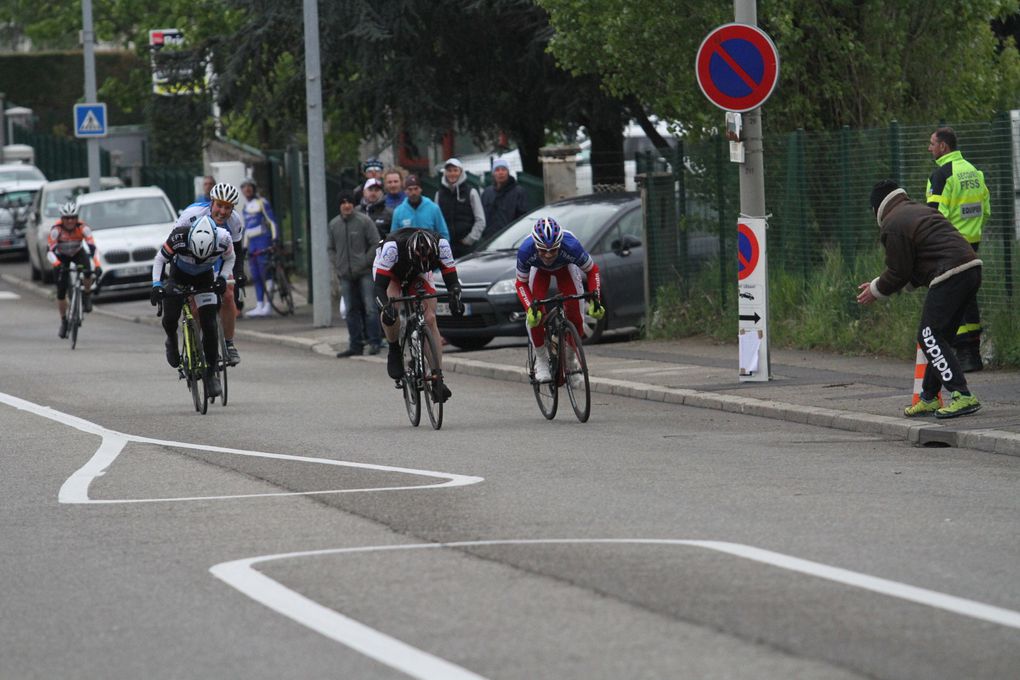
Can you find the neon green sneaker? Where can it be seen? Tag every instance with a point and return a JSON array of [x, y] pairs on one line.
[[922, 408], [960, 406]]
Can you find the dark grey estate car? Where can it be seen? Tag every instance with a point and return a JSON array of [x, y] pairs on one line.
[[610, 228]]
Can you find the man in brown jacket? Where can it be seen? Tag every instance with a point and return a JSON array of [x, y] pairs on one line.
[[922, 248]]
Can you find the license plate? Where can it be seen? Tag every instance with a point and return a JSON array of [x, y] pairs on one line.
[[133, 271], [5, 243], [443, 309]]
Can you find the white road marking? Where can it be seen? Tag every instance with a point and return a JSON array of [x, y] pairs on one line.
[[76, 488], [240, 574], [9, 295]]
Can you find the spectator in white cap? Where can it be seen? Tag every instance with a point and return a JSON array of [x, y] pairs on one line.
[[461, 205], [504, 201], [373, 204]]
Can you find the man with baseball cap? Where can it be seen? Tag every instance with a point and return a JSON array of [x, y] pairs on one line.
[[372, 169], [418, 212], [373, 204], [461, 206]]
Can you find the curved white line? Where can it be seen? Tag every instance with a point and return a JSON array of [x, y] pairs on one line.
[[76, 488], [241, 575]]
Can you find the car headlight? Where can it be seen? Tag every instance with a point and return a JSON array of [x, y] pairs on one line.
[[504, 287]]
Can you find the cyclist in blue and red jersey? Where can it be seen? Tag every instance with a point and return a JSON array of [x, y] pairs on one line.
[[551, 251]]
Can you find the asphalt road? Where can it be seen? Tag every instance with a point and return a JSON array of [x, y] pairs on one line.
[[652, 542]]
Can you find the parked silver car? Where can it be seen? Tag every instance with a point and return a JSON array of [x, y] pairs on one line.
[[19, 184], [45, 213]]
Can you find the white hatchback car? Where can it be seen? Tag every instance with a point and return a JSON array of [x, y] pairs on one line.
[[129, 226]]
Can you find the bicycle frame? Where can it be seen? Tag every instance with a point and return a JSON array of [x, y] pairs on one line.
[[567, 363], [421, 357]]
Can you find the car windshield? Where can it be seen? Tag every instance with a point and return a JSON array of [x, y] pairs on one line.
[[26, 174], [583, 220], [16, 199], [125, 212], [56, 197]]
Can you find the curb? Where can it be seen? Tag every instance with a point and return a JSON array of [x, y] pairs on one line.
[[921, 434]]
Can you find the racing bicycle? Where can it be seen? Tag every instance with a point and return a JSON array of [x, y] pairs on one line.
[[422, 377], [75, 292], [275, 279], [192, 366], [567, 364]]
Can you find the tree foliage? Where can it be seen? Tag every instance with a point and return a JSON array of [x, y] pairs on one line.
[[843, 62]]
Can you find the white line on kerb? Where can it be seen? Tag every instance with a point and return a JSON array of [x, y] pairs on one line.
[[241, 575], [76, 488]]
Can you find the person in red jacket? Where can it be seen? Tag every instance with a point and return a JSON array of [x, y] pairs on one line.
[[70, 241]]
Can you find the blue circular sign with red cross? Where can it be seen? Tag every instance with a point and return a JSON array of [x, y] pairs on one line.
[[747, 251], [737, 67]]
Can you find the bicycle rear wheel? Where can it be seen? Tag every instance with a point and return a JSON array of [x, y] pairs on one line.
[[546, 393], [412, 377], [281, 297], [431, 377], [74, 320], [575, 372]]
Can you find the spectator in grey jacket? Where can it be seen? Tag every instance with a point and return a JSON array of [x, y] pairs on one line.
[[352, 243], [504, 201], [462, 208]]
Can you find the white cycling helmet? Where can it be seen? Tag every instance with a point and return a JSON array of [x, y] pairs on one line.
[[224, 191], [202, 238], [69, 209]]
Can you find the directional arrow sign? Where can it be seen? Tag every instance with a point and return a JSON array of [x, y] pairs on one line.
[[750, 317]]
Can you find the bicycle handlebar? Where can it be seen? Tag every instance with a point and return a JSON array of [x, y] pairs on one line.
[[412, 298], [562, 298]]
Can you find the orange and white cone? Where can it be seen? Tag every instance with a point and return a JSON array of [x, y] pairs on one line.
[[920, 364]]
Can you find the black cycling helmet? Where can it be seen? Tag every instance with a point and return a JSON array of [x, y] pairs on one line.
[[421, 248]]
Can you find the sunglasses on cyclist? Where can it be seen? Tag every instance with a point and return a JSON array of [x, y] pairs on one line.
[[548, 251]]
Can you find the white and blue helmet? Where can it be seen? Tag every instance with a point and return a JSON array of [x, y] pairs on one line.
[[202, 238]]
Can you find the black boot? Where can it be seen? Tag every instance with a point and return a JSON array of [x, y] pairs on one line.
[[394, 362], [63, 328], [86, 302], [173, 355], [212, 383]]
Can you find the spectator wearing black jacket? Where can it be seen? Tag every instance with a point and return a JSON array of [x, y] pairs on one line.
[[504, 201], [373, 204], [462, 208]]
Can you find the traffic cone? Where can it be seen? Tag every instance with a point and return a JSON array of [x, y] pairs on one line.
[[920, 364]]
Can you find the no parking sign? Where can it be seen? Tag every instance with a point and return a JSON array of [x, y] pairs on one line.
[[737, 67]]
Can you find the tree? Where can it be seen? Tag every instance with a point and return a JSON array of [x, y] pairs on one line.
[[844, 62]]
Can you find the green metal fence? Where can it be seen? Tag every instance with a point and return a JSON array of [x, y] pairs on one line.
[[59, 157], [817, 186]]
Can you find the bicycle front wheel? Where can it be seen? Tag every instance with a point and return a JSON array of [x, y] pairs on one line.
[[411, 381], [221, 365], [192, 372], [575, 372], [431, 379], [546, 393], [74, 316]]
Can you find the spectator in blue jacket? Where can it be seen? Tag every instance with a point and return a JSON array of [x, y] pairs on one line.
[[418, 212]]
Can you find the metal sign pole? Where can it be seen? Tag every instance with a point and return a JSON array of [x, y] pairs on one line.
[[88, 43], [752, 202], [322, 307]]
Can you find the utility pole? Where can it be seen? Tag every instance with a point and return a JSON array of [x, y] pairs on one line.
[[88, 37], [322, 307], [752, 170]]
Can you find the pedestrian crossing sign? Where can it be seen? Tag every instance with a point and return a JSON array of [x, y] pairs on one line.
[[90, 120]]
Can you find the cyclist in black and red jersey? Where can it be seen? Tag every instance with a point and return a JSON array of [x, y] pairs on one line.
[[70, 240], [403, 266]]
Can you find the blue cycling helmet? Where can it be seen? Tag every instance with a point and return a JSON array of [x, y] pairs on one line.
[[547, 234]]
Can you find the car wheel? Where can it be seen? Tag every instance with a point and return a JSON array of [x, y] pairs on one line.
[[36, 274], [470, 343], [46, 274]]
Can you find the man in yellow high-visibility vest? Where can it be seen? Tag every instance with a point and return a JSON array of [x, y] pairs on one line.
[[957, 190]]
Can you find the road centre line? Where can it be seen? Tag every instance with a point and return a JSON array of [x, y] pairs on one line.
[[241, 575], [75, 489]]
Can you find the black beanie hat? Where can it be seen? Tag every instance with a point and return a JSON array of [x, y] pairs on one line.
[[880, 191]]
